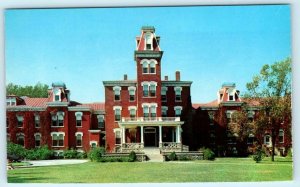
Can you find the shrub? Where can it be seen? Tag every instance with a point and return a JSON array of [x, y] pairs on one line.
[[32, 155], [183, 158], [132, 156], [172, 156], [81, 155], [15, 151], [208, 154], [71, 153], [259, 155], [44, 153], [96, 154], [289, 153]]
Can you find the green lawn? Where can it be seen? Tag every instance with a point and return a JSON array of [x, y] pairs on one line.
[[222, 169]]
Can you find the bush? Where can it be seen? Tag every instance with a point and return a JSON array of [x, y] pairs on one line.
[[208, 154], [289, 153], [96, 154], [259, 155], [172, 156], [15, 151], [183, 158], [71, 153], [132, 156], [42, 153], [81, 155]]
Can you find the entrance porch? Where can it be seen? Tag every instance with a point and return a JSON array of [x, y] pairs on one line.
[[161, 133]]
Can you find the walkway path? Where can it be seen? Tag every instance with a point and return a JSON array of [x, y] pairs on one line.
[[55, 162]]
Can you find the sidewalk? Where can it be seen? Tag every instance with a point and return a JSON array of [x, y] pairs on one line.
[[34, 163]]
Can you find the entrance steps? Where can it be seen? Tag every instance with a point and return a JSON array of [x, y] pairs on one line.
[[153, 154]]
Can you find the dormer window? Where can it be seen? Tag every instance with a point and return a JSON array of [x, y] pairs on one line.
[[231, 93], [57, 94], [148, 41], [117, 93]]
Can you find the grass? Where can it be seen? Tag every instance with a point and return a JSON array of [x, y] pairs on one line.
[[220, 170]]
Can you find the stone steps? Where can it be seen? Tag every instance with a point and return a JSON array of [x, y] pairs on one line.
[[153, 154]]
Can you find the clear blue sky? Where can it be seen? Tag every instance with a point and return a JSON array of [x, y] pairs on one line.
[[83, 47]]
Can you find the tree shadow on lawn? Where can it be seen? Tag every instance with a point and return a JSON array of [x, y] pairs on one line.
[[26, 179]]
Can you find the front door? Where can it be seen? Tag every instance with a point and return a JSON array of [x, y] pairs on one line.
[[150, 138]]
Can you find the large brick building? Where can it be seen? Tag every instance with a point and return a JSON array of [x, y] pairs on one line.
[[145, 112]]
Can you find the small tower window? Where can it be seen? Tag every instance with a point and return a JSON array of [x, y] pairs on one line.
[[145, 67], [152, 67], [152, 90], [148, 38], [145, 90]]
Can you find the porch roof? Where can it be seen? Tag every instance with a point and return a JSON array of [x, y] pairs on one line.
[[157, 121]]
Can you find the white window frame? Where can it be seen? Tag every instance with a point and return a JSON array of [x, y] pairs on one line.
[[148, 36], [78, 116], [118, 130], [117, 89], [11, 101], [231, 92], [180, 89], [176, 108], [131, 88], [37, 118], [268, 144], [149, 84], [130, 108], [56, 92], [117, 108], [81, 135], [100, 117], [93, 142], [164, 92], [60, 115], [57, 133]]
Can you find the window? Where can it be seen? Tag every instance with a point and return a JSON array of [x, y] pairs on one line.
[[20, 121], [100, 121], [164, 111], [21, 139], [231, 93], [117, 92], [153, 111], [93, 144], [117, 110], [148, 41], [229, 115], [131, 90], [211, 115], [281, 136], [152, 90], [60, 117], [57, 139], [267, 140], [78, 116], [37, 139], [57, 93], [145, 90], [11, 101], [164, 94], [177, 111], [37, 121], [132, 112], [118, 137], [78, 139], [152, 67], [54, 121], [145, 67], [7, 122], [146, 111], [250, 139], [149, 86], [177, 93]]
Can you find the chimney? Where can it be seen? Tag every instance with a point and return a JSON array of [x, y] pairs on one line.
[[177, 75], [166, 78], [125, 77]]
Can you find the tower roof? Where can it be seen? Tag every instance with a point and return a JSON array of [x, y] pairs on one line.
[[148, 29]]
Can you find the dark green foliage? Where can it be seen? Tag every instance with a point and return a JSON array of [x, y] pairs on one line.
[[42, 153], [96, 154], [70, 153], [39, 90], [15, 151], [289, 153], [258, 156], [114, 159], [172, 156], [183, 158], [81, 155], [208, 154], [132, 156]]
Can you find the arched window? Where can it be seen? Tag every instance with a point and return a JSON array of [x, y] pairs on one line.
[[145, 67], [152, 67], [148, 39], [78, 116], [268, 140], [58, 139], [78, 139]]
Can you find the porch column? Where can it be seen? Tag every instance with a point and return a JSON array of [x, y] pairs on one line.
[[142, 134], [160, 136], [123, 135], [178, 134]]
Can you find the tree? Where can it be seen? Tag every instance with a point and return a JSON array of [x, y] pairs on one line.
[[242, 127], [38, 90], [272, 89]]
